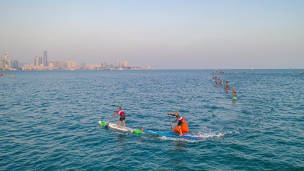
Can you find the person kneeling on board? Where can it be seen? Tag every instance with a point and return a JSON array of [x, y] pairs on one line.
[[182, 125], [122, 116]]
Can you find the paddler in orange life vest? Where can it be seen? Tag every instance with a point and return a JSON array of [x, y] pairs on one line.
[[122, 116], [182, 125]]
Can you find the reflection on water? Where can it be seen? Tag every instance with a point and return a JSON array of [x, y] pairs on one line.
[[122, 147], [121, 139], [177, 155], [120, 142], [180, 146]]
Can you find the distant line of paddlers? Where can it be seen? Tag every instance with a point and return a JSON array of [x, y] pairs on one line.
[[219, 81]]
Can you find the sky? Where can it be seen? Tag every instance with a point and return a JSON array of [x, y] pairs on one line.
[[165, 34]]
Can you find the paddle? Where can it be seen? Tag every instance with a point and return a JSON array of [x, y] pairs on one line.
[[170, 121], [109, 121]]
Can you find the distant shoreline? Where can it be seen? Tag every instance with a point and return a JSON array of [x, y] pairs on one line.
[[248, 70]]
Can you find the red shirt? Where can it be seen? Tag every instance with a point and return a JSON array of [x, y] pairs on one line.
[[120, 112]]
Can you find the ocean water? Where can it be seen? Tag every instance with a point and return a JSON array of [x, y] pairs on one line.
[[48, 120]]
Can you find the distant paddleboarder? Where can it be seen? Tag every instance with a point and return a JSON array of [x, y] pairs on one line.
[[233, 92], [227, 87]]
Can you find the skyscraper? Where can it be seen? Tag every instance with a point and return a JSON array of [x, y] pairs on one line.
[[69, 64], [5, 62], [36, 61], [40, 61], [15, 64], [45, 60], [5, 56]]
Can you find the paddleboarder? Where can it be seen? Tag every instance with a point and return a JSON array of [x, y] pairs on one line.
[[122, 116], [233, 92], [182, 125]]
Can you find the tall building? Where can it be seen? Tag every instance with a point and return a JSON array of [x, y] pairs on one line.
[[40, 61], [5, 56], [5, 63], [125, 64], [15, 64], [36, 61], [45, 59], [69, 64]]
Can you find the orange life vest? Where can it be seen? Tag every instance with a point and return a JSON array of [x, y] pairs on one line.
[[184, 127]]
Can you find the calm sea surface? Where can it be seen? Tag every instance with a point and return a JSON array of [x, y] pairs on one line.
[[48, 120]]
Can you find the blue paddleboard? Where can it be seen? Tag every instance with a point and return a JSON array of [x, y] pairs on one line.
[[173, 135]]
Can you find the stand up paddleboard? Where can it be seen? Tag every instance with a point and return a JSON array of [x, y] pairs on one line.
[[173, 135], [119, 128]]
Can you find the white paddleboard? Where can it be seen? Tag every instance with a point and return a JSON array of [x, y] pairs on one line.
[[119, 128]]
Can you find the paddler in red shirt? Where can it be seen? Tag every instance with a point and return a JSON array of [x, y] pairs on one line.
[[122, 116]]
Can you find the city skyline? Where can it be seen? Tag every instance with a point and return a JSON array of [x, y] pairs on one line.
[[165, 34], [38, 60], [42, 63]]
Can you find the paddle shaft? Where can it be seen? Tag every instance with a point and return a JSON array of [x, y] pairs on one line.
[[110, 120], [170, 122]]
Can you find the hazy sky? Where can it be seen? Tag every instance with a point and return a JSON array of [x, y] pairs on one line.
[[177, 34]]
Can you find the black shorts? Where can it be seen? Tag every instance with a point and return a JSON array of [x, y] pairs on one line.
[[180, 124], [122, 117]]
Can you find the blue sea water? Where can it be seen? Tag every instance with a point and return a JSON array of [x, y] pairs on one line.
[[48, 120]]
